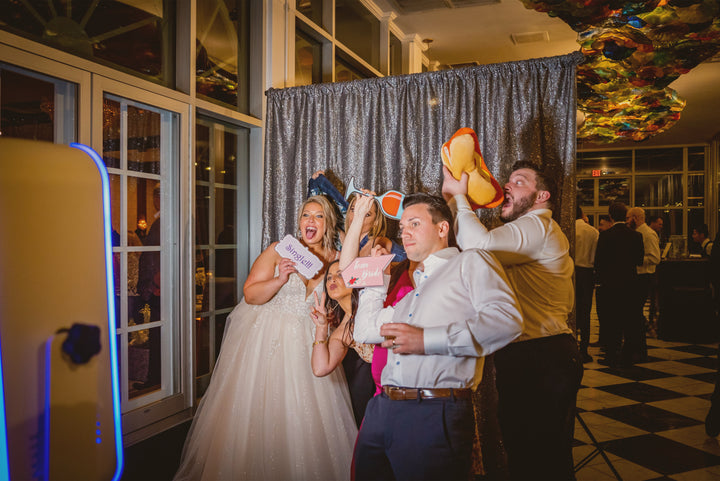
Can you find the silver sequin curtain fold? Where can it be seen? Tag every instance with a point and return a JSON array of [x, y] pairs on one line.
[[387, 132]]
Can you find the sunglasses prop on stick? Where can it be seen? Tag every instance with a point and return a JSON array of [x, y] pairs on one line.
[[390, 202]]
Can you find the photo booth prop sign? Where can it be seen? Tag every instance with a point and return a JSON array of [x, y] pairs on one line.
[[366, 271], [306, 262]]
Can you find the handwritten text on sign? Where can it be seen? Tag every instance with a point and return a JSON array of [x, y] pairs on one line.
[[366, 271], [306, 262]]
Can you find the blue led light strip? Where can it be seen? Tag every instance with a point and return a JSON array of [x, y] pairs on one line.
[[4, 466], [111, 305]]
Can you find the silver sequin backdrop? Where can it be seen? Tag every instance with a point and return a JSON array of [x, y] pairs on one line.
[[387, 132]]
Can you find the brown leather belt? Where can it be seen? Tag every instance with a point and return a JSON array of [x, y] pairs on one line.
[[404, 393]]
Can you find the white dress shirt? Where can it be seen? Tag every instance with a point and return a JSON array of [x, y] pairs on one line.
[[466, 308], [586, 237], [535, 254], [651, 243]]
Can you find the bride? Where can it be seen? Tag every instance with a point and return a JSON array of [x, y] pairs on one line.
[[265, 416]]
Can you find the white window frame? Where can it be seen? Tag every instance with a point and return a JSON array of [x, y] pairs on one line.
[[176, 289]]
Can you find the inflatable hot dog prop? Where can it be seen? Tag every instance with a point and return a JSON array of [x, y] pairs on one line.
[[462, 154]]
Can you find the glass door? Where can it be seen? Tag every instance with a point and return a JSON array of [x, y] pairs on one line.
[[139, 142], [221, 236], [142, 140]]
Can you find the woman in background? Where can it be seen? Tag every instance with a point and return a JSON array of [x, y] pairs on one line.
[[374, 226], [264, 415], [335, 310]]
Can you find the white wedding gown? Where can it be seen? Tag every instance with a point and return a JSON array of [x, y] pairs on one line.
[[265, 416]]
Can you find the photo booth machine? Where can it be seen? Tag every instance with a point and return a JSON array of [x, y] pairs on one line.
[[58, 354]]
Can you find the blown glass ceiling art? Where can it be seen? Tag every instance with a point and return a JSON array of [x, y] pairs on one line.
[[633, 51]]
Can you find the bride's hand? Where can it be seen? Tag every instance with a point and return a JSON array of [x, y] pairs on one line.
[[318, 313], [285, 268]]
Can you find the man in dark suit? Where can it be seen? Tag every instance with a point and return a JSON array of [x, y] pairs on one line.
[[619, 252]]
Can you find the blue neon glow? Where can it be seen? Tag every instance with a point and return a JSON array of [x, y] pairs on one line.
[[4, 463], [45, 455], [111, 307]]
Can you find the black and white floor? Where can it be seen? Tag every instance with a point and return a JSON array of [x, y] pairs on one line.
[[650, 418]]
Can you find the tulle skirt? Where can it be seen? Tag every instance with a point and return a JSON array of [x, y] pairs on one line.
[[265, 416]]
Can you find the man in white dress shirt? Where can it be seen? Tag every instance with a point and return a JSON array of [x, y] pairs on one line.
[[646, 272], [462, 308], [538, 375], [586, 237]]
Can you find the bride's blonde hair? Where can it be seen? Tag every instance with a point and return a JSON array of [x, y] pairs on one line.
[[328, 240]]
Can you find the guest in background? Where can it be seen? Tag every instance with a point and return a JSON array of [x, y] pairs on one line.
[[712, 421], [374, 226], [149, 291], [701, 237], [656, 223], [336, 309], [635, 219], [604, 223], [619, 252], [586, 237], [401, 282]]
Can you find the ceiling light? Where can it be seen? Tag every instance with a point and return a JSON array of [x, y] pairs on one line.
[[529, 37]]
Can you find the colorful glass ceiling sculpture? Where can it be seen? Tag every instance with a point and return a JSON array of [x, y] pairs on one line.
[[633, 51]]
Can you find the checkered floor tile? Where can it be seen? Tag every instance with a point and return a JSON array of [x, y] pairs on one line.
[[649, 419]]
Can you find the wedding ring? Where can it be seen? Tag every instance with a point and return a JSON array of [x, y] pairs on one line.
[[393, 344]]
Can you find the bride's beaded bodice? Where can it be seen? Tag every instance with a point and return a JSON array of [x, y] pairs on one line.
[[291, 298]]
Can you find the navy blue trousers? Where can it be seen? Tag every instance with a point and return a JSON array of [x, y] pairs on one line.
[[428, 439]]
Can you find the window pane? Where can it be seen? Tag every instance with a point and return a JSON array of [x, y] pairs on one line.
[[586, 192], [614, 190], [143, 212], [202, 280], [222, 62], [672, 222], [111, 133], [696, 218], [143, 143], [226, 164], [308, 59], [696, 158], [358, 30], [395, 55], [202, 346], [115, 206], [344, 71], [202, 215], [144, 361], [36, 107], [220, 321], [696, 190], [659, 160], [312, 9], [225, 212], [225, 278], [609, 162], [202, 152], [658, 190], [135, 38]]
